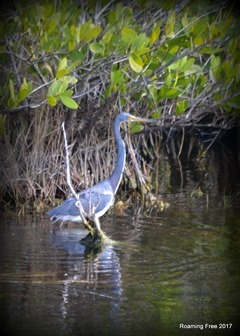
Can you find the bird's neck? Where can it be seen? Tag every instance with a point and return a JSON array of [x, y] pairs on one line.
[[116, 176]]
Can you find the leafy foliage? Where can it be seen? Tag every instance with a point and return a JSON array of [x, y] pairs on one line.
[[168, 61]]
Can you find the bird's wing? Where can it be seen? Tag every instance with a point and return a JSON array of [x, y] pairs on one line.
[[67, 207], [96, 201]]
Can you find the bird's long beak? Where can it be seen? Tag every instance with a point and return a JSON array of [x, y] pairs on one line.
[[143, 120]]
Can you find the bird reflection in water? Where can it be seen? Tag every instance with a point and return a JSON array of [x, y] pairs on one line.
[[87, 274], [85, 264]]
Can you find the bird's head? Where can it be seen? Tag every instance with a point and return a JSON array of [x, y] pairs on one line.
[[127, 117]]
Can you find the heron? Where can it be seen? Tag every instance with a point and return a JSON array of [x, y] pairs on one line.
[[94, 202]]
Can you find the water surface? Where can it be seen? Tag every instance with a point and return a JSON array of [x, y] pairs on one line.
[[175, 267]]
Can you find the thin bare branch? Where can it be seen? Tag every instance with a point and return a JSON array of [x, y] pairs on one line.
[[69, 182]]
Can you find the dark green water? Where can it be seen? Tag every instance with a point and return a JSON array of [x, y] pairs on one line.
[[172, 269], [177, 267]]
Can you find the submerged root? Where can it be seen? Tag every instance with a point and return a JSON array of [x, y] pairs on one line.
[[96, 241], [96, 238]]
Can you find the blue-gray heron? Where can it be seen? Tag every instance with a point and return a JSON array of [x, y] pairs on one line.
[[96, 200]]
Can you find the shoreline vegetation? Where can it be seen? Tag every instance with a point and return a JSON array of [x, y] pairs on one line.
[[83, 63]]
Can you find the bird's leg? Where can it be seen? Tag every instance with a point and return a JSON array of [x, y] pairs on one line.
[[98, 227], [83, 215], [99, 231], [95, 236], [88, 227], [80, 208]]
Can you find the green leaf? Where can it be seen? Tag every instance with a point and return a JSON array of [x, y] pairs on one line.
[[67, 93], [96, 48], [49, 69], [174, 66], [168, 80], [128, 35], [77, 55], [136, 62], [87, 32], [234, 103], [54, 88], [107, 37], [181, 107], [62, 64], [185, 24], [154, 35], [52, 101], [136, 127], [69, 102], [51, 27], [49, 10], [23, 92], [62, 68], [169, 27], [116, 76], [71, 45], [69, 79], [156, 115], [112, 17], [200, 27], [169, 93], [140, 44], [169, 30], [62, 73], [95, 31], [209, 50], [73, 30], [193, 69], [24, 84], [188, 64], [62, 88], [215, 67], [215, 61], [73, 65], [78, 34], [198, 41]]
